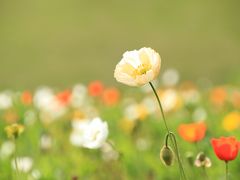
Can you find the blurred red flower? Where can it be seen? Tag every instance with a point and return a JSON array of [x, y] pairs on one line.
[[64, 97], [192, 132], [95, 88], [110, 96], [225, 148], [26, 98]]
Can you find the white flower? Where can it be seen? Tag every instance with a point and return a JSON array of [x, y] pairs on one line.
[[43, 97], [5, 100], [131, 112], [50, 108], [77, 135], [138, 67], [24, 164], [89, 133], [169, 99], [95, 134], [79, 96], [170, 77], [46, 142], [7, 149]]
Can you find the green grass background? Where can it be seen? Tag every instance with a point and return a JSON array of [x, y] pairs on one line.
[[60, 43]]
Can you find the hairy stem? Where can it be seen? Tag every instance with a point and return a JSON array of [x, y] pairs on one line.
[[170, 134]]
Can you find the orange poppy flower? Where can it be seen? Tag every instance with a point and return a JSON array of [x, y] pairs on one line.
[[192, 132], [235, 99], [218, 96], [225, 148], [64, 97], [95, 88], [111, 96], [26, 98]]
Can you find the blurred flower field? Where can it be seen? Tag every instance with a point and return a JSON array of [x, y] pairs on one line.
[[83, 96], [127, 131]]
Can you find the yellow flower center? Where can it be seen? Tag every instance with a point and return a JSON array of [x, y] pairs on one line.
[[142, 69]]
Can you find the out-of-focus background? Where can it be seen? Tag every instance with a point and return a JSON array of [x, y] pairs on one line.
[[57, 60], [60, 43]]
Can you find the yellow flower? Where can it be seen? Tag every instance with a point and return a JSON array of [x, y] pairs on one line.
[[127, 125], [142, 112], [138, 67], [14, 130], [231, 121]]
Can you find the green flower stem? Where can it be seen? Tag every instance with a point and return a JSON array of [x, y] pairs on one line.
[[226, 163], [170, 134], [15, 159], [196, 146], [205, 173]]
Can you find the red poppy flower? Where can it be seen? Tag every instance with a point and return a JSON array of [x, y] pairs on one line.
[[192, 132], [95, 88], [225, 148], [26, 98], [110, 96], [64, 97]]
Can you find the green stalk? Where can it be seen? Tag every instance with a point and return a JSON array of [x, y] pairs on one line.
[[205, 173], [170, 134], [226, 163], [15, 159]]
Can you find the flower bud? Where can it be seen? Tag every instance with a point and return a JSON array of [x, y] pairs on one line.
[[167, 156], [202, 160], [14, 130]]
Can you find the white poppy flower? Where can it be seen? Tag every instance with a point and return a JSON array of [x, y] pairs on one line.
[[24, 164], [95, 134], [131, 111], [170, 77], [79, 96], [7, 149], [169, 99], [5, 100], [89, 133], [46, 142], [138, 67], [80, 124], [50, 108], [43, 97], [77, 135]]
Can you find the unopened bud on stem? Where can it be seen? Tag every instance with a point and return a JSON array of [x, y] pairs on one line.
[[167, 156]]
